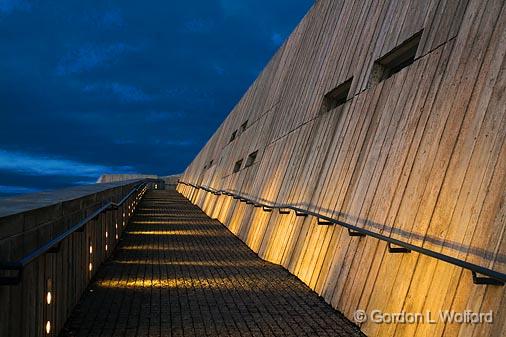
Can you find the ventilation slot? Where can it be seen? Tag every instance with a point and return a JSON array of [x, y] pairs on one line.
[[251, 159], [395, 60], [244, 126], [336, 96], [237, 166], [234, 134]]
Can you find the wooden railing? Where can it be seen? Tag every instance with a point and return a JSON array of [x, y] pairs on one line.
[[52, 247]]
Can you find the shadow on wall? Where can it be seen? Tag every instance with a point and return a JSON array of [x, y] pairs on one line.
[[413, 237]]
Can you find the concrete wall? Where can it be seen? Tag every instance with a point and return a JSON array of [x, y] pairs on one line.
[[420, 156], [170, 182], [109, 178]]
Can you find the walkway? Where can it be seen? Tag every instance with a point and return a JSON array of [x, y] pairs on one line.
[[179, 273]]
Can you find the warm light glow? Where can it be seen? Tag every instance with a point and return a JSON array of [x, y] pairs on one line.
[[106, 235], [91, 249], [106, 247], [48, 298], [176, 232], [169, 262], [116, 236], [90, 266], [116, 225], [166, 222], [182, 282], [48, 327], [123, 214]]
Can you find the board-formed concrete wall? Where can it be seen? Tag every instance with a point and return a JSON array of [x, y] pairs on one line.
[[420, 156]]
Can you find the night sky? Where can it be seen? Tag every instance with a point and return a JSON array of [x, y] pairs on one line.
[[92, 87]]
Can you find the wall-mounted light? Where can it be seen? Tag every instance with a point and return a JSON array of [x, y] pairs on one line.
[[90, 266], [48, 298], [49, 287]]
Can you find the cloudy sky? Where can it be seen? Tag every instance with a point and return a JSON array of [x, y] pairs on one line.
[[103, 86]]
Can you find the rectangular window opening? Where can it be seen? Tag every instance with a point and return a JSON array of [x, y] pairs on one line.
[[244, 126], [336, 96], [237, 166], [234, 134], [395, 60], [251, 159]]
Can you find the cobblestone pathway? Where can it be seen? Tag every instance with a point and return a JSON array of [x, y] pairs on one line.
[[177, 272]]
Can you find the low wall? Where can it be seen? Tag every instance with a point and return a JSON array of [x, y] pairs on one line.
[[165, 182], [110, 178], [52, 284]]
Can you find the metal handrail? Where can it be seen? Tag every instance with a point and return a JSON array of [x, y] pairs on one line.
[[20, 264], [493, 277]]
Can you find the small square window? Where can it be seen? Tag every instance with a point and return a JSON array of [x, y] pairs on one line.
[[244, 126], [237, 166], [395, 60], [251, 159], [234, 134], [336, 96]]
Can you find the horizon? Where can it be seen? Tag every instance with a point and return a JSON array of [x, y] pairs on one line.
[[96, 88]]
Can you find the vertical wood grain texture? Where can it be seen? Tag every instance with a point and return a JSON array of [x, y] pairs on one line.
[[420, 157], [64, 273]]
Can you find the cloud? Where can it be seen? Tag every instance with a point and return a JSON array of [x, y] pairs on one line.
[[110, 18], [233, 7], [9, 6], [219, 70], [124, 141], [126, 93], [141, 92], [48, 166], [277, 39], [157, 142], [196, 25], [160, 116], [169, 142], [193, 96], [11, 190], [89, 57]]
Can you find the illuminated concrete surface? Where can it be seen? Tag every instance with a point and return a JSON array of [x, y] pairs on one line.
[[179, 273]]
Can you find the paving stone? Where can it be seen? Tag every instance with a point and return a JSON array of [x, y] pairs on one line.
[[176, 272]]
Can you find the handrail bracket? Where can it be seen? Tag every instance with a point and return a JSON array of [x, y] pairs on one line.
[[485, 280]]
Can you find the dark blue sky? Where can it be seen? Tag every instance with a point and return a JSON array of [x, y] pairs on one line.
[[92, 87]]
